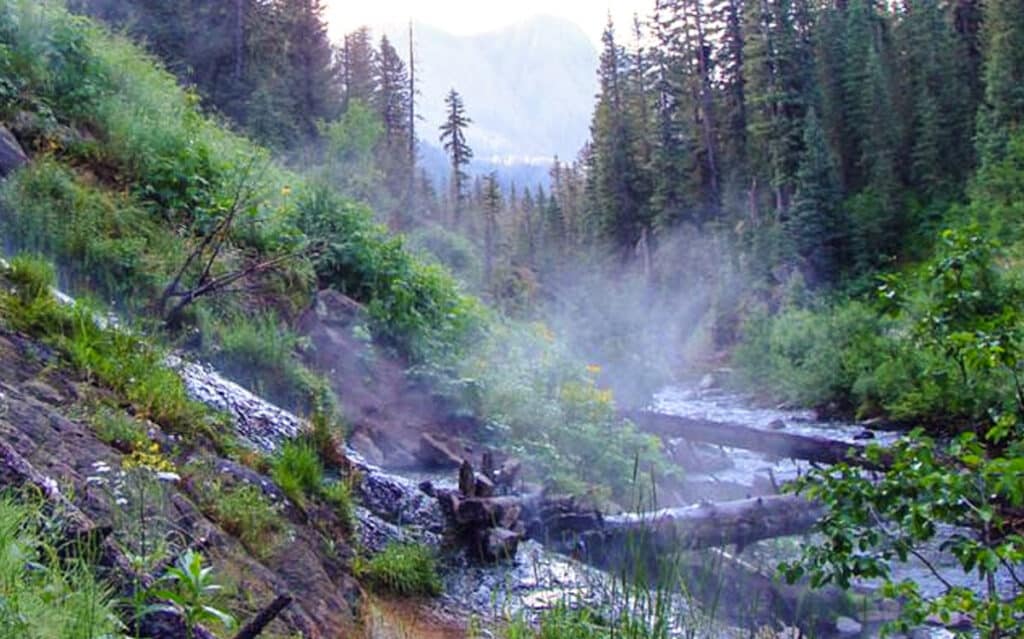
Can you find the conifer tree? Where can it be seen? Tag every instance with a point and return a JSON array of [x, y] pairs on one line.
[[812, 225], [1003, 110], [453, 138]]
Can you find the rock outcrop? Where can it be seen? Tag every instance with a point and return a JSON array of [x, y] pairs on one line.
[[12, 156]]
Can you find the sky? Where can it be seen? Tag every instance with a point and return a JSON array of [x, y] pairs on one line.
[[465, 17]]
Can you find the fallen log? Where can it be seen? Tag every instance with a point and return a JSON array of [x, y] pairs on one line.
[[780, 444], [706, 525]]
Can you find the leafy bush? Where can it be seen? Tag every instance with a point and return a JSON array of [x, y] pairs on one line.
[[403, 569], [454, 251], [416, 307]]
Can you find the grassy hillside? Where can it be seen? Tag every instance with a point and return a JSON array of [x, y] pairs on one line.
[[135, 193]]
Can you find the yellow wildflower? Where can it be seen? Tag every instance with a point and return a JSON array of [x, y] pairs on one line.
[[286, 190], [594, 369]]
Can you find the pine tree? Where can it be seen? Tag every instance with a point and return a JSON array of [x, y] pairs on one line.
[[491, 207], [358, 67], [392, 101], [453, 138], [812, 225], [1003, 110], [311, 73]]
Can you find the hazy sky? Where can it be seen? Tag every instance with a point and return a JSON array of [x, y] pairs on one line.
[[475, 16]]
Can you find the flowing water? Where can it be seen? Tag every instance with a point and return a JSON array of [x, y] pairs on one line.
[[393, 508]]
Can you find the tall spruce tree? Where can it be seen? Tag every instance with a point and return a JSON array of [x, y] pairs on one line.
[[453, 138]]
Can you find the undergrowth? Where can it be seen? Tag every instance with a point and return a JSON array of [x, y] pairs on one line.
[[48, 590], [403, 569]]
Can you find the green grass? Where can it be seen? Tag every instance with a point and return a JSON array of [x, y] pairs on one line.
[[244, 512], [46, 590], [298, 470], [115, 359], [403, 569], [338, 494], [115, 427], [262, 353]]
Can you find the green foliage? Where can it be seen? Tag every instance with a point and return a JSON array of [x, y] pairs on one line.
[[964, 313], [47, 589], [403, 569], [244, 512], [263, 354], [872, 523], [32, 278], [338, 494], [298, 470], [454, 251], [416, 307], [103, 240], [544, 404], [350, 152], [191, 589], [114, 358], [117, 428]]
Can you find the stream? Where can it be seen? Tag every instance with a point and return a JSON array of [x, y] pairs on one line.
[[393, 508]]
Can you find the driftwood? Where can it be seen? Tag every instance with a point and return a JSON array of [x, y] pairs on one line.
[[780, 444], [253, 629]]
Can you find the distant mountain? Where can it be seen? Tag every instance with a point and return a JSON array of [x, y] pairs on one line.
[[529, 88]]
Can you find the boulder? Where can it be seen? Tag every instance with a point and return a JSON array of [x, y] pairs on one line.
[[12, 156]]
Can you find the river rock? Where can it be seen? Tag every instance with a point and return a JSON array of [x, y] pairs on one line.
[[12, 156], [777, 424], [846, 627]]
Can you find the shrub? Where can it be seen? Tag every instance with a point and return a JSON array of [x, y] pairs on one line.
[[543, 404], [415, 307], [403, 569]]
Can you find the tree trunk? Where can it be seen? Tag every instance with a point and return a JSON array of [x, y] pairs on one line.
[[705, 525], [780, 444]]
